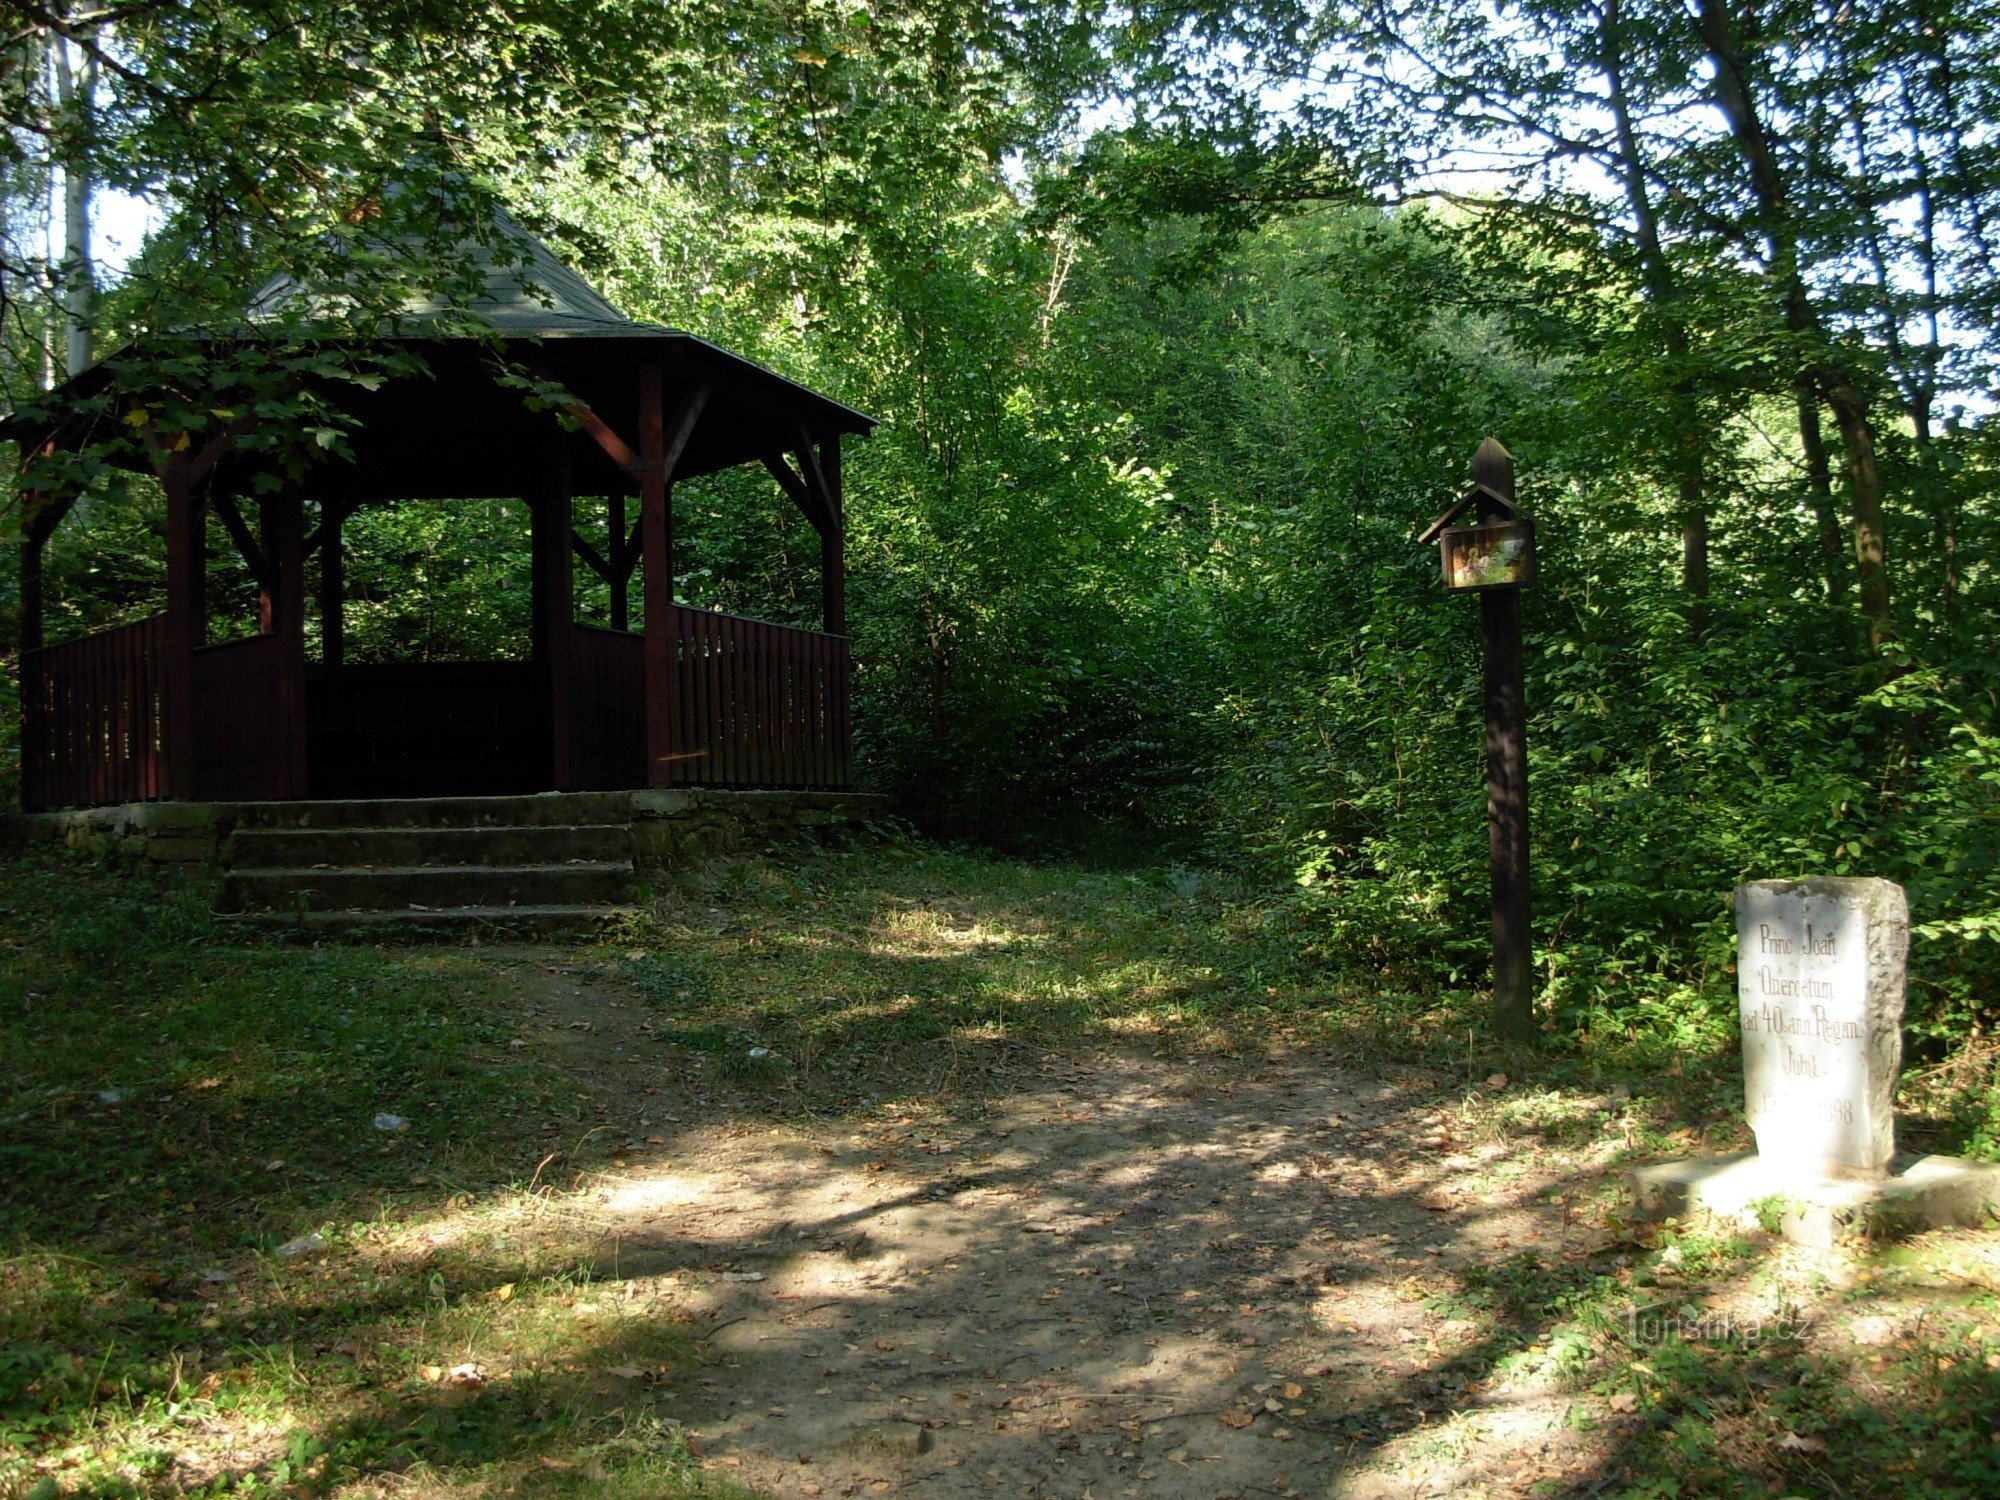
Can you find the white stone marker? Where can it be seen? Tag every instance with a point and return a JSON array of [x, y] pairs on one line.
[[1819, 974]]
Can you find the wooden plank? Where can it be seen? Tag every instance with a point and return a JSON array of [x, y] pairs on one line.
[[621, 556], [725, 696], [757, 767], [771, 704], [288, 708], [781, 748], [705, 742], [684, 709], [183, 601], [721, 754], [117, 716]]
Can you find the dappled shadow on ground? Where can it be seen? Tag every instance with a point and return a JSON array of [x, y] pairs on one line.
[[1022, 1196]]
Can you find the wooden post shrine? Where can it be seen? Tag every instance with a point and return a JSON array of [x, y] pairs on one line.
[[1495, 557]]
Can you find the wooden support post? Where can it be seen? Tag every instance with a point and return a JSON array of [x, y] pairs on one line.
[[332, 588], [833, 544], [660, 447], [285, 546], [185, 548], [554, 585], [656, 546], [1506, 781], [614, 553], [1507, 814]]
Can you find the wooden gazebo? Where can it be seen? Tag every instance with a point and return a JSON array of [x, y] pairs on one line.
[[153, 710]]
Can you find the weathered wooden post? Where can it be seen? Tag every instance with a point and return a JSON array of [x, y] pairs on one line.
[[1495, 557]]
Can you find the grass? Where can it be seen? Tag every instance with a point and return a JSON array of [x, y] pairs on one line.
[[218, 1274], [180, 1111]]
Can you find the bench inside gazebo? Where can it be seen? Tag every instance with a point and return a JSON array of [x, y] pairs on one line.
[[692, 698]]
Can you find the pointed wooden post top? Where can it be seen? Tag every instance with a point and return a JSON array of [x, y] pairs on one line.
[[1493, 468]]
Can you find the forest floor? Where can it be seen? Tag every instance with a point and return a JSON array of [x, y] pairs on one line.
[[895, 1172]]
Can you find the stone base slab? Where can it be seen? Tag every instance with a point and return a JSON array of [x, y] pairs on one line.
[[1920, 1193]]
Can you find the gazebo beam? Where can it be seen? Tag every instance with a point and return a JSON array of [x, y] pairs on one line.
[[592, 558], [809, 501], [615, 447], [254, 557]]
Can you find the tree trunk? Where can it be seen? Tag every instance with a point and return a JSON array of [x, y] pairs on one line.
[[74, 88], [1864, 497], [1819, 491], [1776, 222], [1684, 410], [1694, 557]]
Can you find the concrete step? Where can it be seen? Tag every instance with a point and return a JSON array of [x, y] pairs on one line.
[[539, 810], [425, 887], [450, 924], [351, 848]]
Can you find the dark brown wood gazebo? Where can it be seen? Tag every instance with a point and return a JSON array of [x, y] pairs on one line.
[[153, 710]]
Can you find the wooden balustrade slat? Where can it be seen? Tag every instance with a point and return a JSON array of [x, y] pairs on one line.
[[90, 731], [760, 704]]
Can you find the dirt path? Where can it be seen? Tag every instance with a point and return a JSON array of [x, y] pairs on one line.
[[1135, 1277]]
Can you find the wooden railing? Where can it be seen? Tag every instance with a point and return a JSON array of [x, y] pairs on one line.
[[249, 720], [91, 729], [607, 709], [758, 704]]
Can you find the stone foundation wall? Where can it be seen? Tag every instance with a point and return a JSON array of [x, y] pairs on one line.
[[142, 833], [668, 827], [696, 823]]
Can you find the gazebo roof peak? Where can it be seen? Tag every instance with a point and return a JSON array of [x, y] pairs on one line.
[[506, 280]]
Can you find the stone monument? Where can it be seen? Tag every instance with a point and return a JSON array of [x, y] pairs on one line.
[[1819, 981], [1819, 977]]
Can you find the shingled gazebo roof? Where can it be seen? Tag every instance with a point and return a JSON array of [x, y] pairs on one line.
[[525, 291], [457, 433]]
